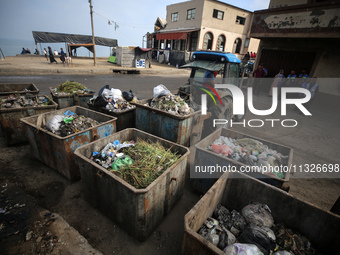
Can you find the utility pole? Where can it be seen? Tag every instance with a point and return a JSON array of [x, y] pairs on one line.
[[93, 41]]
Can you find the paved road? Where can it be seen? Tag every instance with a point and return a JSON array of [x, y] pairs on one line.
[[142, 85]]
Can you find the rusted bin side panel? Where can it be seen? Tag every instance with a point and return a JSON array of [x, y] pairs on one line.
[[71, 100], [18, 88], [168, 126], [203, 157], [58, 152], [125, 119], [235, 190], [12, 128], [138, 211]]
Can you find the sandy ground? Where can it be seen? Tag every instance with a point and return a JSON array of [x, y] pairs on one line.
[[26, 181]]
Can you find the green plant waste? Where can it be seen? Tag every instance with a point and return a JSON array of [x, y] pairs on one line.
[[151, 159], [71, 87]]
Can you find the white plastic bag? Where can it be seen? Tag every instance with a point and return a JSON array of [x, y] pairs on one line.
[[53, 124], [242, 249], [116, 94], [160, 91]]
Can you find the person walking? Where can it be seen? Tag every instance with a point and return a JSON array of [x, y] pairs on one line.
[[50, 53], [277, 81], [45, 53], [258, 74], [62, 55]]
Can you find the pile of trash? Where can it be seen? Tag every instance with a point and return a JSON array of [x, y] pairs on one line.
[[70, 88], [252, 232], [164, 100], [69, 123], [27, 100], [114, 100], [250, 152], [138, 163]]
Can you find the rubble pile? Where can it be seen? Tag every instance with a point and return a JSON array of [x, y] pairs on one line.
[[252, 232], [164, 100], [114, 100], [138, 163], [69, 123], [250, 152], [27, 100], [70, 88]]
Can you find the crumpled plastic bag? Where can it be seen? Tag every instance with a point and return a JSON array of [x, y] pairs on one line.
[[283, 253], [242, 249], [258, 214], [116, 94], [160, 91], [53, 124], [128, 96], [221, 149], [263, 237]]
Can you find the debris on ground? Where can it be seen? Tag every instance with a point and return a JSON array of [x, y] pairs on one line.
[[165, 101], [250, 152], [138, 163], [114, 100], [70, 88], [69, 123], [252, 232], [27, 100]]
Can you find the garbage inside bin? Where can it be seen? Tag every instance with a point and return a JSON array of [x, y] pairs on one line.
[[165, 101], [250, 152], [138, 163], [256, 234], [27, 100], [69, 123], [113, 99], [70, 88]]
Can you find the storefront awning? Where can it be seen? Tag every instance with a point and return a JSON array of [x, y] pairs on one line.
[[172, 36]]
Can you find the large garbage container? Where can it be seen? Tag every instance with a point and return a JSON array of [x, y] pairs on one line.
[[175, 128], [18, 88], [12, 128], [138, 211], [65, 101], [236, 190], [58, 152], [125, 118], [204, 157]]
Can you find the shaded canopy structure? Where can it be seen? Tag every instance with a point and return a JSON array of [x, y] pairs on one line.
[[48, 37]]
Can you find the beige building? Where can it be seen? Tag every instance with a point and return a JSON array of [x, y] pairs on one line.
[[203, 25]]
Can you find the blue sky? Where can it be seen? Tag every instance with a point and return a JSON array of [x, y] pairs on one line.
[[18, 18]]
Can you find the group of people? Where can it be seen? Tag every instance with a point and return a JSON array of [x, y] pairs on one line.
[[292, 80], [250, 55], [25, 51], [49, 55]]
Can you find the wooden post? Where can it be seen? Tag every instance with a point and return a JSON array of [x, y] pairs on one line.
[[93, 41]]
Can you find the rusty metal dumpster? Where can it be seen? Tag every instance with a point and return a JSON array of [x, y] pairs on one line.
[[175, 128], [58, 152], [65, 101], [203, 157], [125, 119], [235, 190], [12, 128], [138, 211], [18, 88]]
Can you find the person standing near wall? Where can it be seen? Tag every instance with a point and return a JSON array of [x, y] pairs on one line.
[[50, 53]]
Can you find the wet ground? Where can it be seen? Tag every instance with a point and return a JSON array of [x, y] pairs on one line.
[[37, 187]]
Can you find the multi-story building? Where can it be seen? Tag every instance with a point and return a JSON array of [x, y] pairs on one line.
[[203, 25], [299, 34]]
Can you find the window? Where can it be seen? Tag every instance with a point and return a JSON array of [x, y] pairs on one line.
[[237, 46], [174, 17], [240, 20], [175, 45], [218, 14], [191, 14], [182, 45], [220, 43], [193, 41], [207, 43]]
